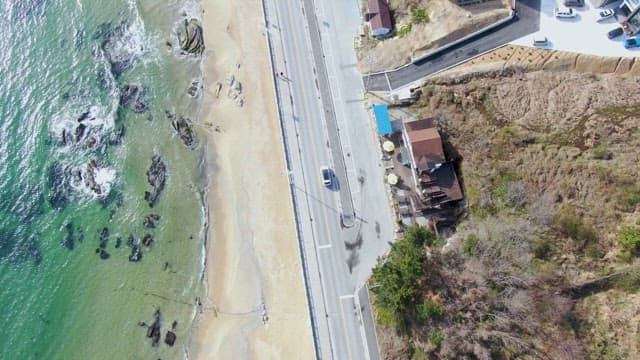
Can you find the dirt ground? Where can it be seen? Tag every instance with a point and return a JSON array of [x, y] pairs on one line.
[[447, 22]]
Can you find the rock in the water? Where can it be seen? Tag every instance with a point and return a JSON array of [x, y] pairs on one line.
[[191, 39], [104, 237], [156, 177], [183, 127], [57, 186], [120, 46], [150, 221], [132, 96], [153, 331], [104, 255], [69, 241], [170, 338], [136, 254], [117, 135], [147, 240], [118, 242]]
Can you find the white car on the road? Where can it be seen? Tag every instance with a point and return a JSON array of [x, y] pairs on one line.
[[326, 175], [564, 12]]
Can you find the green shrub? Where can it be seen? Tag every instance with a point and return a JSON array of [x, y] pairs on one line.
[[601, 152], [470, 244], [542, 250], [629, 239], [395, 281], [436, 337], [573, 227], [629, 282], [420, 15], [629, 197], [405, 30], [430, 310]]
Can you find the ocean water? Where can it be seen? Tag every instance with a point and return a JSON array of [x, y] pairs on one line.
[[68, 288]]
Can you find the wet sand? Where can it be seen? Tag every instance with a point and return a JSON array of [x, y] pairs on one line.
[[253, 262]]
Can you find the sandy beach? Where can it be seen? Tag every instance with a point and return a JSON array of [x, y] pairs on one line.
[[253, 262]]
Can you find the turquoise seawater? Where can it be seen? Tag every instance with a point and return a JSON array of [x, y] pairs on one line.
[[68, 288]]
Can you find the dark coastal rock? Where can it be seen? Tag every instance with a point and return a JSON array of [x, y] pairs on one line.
[[174, 324], [115, 138], [133, 97], [147, 240], [57, 182], [69, 241], [131, 241], [153, 331], [170, 338], [183, 127], [120, 59], [136, 254], [80, 131], [104, 237], [150, 221], [104, 255], [171, 116], [194, 89], [191, 39], [118, 242], [156, 176], [90, 179]]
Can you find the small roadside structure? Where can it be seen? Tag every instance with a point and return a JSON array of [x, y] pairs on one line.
[[379, 17], [383, 121]]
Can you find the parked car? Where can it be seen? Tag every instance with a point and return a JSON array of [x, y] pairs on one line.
[[614, 33], [630, 43], [575, 3], [564, 12], [326, 175], [605, 14]]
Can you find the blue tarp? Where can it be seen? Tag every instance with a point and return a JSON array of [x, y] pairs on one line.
[[382, 119]]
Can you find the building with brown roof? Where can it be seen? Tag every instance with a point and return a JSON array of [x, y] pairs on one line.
[[379, 17], [435, 177]]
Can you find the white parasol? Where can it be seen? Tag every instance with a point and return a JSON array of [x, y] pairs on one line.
[[392, 179], [388, 146]]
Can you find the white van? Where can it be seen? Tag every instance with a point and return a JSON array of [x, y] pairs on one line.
[[540, 40]]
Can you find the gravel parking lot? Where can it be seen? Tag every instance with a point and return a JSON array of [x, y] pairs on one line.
[[582, 34]]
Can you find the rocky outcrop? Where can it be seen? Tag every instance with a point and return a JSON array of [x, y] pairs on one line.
[[191, 39], [150, 221], [170, 338], [153, 330], [120, 56], [147, 240], [58, 194], [156, 176], [133, 97], [184, 129]]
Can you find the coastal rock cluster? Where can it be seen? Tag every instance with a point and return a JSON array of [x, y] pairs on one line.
[[156, 176], [132, 96], [191, 39], [185, 131], [120, 46], [154, 331]]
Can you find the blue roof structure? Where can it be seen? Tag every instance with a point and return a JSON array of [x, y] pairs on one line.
[[382, 119]]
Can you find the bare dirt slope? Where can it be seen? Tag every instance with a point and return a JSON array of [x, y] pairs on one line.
[[446, 22], [550, 166]]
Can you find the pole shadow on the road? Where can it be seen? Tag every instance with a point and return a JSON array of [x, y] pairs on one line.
[[336, 211]]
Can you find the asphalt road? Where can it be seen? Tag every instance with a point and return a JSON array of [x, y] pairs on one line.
[[526, 22], [325, 123]]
